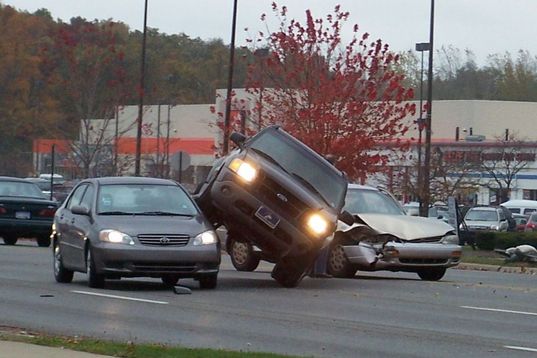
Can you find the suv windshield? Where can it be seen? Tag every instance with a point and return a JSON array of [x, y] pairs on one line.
[[482, 215], [366, 201], [302, 165]]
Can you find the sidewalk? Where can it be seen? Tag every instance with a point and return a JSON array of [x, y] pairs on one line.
[[27, 350]]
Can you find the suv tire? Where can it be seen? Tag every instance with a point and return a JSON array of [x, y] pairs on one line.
[[242, 255]]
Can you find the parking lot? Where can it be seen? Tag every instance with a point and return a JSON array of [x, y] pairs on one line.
[[375, 314]]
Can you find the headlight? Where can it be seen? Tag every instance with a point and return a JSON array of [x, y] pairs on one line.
[[243, 169], [205, 238], [495, 227], [317, 224], [450, 239], [115, 237]]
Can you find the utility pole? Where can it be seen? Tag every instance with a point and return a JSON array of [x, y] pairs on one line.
[[141, 105], [227, 114]]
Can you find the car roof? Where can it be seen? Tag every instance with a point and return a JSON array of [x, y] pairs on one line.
[[361, 186], [132, 180], [520, 202], [4, 178], [484, 208]]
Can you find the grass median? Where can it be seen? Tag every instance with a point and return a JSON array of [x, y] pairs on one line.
[[487, 257], [120, 349]]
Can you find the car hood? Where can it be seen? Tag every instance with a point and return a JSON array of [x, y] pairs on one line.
[[139, 224], [406, 227], [480, 223]]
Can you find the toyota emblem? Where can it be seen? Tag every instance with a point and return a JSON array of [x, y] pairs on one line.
[[164, 240]]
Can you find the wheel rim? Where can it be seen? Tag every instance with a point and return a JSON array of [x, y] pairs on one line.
[[240, 252], [337, 258], [57, 259]]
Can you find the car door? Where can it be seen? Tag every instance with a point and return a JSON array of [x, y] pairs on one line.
[[81, 226], [65, 226]]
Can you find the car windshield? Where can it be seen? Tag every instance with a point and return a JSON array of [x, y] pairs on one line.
[[482, 215], [20, 189], [303, 166], [43, 185], [148, 199], [365, 201]]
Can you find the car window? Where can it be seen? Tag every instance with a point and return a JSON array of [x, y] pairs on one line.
[[144, 198], [528, 211], [371, 201], [87, 199], [76, 197], [20, 189], [502, 215], [514, 210], [481, 215]]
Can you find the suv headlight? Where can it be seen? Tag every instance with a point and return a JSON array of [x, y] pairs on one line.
[[115, 237], [205, 238], [317, 224], [243, 169], [450, 239]]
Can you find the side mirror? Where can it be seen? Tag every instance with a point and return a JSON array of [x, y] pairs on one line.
[[80, 210], [238, 138], [346, 217]]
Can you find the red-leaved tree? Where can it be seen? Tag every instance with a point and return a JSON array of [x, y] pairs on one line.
[[345, 99]]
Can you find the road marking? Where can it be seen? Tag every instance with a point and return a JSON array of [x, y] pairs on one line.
[[522, 348], [500, 310], [119, 297]]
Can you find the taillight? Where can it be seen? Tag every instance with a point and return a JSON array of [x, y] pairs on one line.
[[48, 212], [2, 210], [530, 226]]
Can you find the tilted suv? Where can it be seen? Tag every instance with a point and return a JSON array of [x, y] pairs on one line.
[[277, 194]]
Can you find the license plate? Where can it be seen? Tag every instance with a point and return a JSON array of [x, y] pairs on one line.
[[22, 214], [267, 216]]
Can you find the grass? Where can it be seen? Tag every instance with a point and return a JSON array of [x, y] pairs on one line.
[[484, 257], [120, 349]]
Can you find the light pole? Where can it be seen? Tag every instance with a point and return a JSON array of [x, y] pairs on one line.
[[141, 105], [420, 47], [424, 204], [225, 148]]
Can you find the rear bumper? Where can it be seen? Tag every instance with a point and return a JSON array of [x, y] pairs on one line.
[[139, 260], [25, 227], [240, 207], [404, 256]]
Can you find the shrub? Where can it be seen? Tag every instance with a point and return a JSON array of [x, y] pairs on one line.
[[485, 240], [491, 240]]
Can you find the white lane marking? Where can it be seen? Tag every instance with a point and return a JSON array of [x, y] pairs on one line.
[[499, 310], [522, 348], [119, 297]]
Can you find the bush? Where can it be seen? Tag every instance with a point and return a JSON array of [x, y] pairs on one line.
[[491, 240]]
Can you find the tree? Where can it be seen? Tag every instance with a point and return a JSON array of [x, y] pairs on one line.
[[503, 162], [339, 98]]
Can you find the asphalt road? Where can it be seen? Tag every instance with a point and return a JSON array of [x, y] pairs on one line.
[[468, 313]]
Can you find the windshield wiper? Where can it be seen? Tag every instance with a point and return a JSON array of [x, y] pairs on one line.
[[116, 213], [311, 187], [164, 213], [269, 158]]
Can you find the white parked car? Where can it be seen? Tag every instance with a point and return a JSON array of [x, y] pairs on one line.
[[485, 218], [385, 238]]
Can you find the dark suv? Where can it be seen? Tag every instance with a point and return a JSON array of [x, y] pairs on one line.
[[277, 194]]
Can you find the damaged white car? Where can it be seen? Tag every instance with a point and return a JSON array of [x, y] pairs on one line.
[[385, 238]]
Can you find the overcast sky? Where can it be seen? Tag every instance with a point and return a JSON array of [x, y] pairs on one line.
[[483, 26]]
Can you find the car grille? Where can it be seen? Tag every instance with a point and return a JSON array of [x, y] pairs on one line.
[[287, 204], [423, 261], [163, 240], [428, 239], [162, 267]]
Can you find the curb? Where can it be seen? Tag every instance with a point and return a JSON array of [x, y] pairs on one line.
[[497, 268]]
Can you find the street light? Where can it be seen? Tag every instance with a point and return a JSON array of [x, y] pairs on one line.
[[424, 204], [421, 47], [230, 80]]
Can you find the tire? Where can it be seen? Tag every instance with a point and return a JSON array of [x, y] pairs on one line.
[[10, 239], [432, 274], [61, 274], [338, 265], [208, 282], [289, 271], [242, 255], [170, 280], [43, 241], [95, 280]]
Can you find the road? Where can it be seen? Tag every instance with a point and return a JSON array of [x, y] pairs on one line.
[[470, 313]]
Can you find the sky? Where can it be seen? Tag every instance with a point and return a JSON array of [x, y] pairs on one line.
[[483, 26]]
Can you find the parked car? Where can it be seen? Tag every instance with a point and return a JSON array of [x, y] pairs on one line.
[[61, 191], [485, 218], [131, 226], [385, 238], [521, 221], [531, 224], [24, 212], [43, 184], [274, 192], [519, 206]]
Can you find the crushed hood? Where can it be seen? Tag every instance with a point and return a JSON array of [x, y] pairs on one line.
[[407, 227]]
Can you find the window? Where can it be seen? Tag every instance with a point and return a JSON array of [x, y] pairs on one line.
[[87, 200], [76, 197]]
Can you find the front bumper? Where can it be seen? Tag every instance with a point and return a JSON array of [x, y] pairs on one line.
[[239, 207], [140, 260], [22, 227], [404, 256]]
